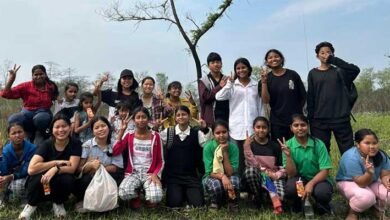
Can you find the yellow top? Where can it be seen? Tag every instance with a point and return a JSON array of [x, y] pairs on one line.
[[171, 117]]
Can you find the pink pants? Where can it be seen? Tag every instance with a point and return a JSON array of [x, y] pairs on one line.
[[361, 199]]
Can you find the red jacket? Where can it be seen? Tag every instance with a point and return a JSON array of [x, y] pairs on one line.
[[33, 98], [207, 100], [157, 153]]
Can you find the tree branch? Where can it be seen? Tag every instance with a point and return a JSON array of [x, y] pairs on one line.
[[209, 23], [141, 12]]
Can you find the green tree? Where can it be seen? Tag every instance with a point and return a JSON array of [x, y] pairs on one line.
[[166, 11], [162, 82]]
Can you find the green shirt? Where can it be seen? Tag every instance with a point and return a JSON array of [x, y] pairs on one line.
[[208, 156], [308, 160]]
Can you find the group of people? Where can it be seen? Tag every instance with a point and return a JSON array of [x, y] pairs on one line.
[[154, 145]]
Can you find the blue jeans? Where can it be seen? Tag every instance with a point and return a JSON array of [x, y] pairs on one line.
[[40, 119]]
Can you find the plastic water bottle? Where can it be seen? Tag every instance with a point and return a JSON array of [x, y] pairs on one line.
[[308, 209]]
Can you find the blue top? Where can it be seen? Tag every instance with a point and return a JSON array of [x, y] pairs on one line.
[[92, 150], [352, 164], [12, 165]]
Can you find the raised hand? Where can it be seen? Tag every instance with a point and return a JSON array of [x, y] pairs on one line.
[[223, 81], [12, 72], [264, 74], [284, 147], [189, 97], [104, 78], [159, 94], [368, 165], [125, 122]]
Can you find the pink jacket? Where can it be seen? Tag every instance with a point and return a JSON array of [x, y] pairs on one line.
[[157, 153]]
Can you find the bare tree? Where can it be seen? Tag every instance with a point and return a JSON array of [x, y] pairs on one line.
[[140, 75], [165, 10], [68, 73], [7, 65], [52, 69]]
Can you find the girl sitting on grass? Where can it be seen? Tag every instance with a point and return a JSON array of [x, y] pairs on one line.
[[220, 159], [305, 158], [144, 152], [16, 157], [363, 177], [183, 159], [52, 169], [264, 167], [96, 151]]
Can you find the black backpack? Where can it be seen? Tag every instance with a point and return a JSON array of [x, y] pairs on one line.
[[350, 90]]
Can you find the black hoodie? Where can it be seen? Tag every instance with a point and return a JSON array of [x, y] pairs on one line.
[[326, 97]]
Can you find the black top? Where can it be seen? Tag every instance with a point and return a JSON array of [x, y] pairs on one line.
[[48, 151], [326, 98], [287, 96], [182, 159], [269, 149], [111, 98], [221, 110]]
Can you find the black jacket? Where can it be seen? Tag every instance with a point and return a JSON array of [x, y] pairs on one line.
[[326, 97]]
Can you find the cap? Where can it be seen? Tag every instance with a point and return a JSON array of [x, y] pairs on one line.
[[127, 72]]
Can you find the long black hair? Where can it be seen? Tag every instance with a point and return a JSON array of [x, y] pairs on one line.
[[54, 88], [105, 120], [244, 61]]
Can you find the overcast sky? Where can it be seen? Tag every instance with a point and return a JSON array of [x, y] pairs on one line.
[[73, 34]]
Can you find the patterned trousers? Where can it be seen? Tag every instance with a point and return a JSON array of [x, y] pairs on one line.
[[216, 191], [253, 178], [16, 189], [132, 183]]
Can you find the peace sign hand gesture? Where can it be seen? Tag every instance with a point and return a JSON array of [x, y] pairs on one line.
[[368, 165], [190, 98], [13, 71], [284, 147]]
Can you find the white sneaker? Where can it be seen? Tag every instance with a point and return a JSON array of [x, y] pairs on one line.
[[27, 212], [59, 210]]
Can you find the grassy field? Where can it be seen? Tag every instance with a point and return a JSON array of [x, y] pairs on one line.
[[378, 122]]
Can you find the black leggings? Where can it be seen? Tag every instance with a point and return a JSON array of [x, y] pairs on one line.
[[61, 185], [177, 194], [322, 194]]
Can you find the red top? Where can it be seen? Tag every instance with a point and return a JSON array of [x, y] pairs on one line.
[[157, 153], [33, 98]]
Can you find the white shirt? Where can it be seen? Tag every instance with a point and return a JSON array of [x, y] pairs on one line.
[[142, 154], [244, 106], [202, 138]]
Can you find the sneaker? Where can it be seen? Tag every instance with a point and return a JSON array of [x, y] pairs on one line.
[[213, 207], [27, 212], [80, 207], [59, 210]]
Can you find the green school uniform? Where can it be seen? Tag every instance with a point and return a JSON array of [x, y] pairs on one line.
[[208, 156], [310, 160]]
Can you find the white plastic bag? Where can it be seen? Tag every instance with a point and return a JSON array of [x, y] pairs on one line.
[[102, 192]]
